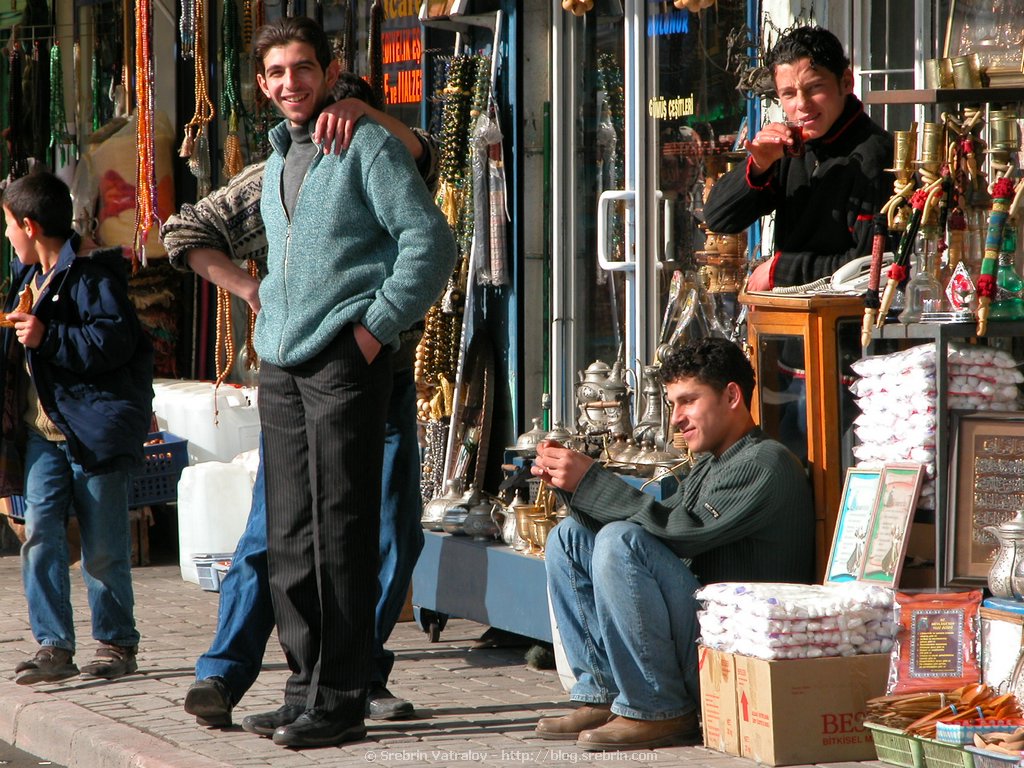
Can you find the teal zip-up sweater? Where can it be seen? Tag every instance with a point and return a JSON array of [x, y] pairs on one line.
[[366, 245], [746, 515]]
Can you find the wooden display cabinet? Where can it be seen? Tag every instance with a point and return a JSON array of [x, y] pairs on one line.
[[797, 338]]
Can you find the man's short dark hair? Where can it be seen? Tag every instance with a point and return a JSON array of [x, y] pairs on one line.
[[714, 362], [352, 86], [291, 29], [44, 199], [814, 43]]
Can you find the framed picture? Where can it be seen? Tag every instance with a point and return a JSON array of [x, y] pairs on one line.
[[846, 558], [898, 489], [989, 28], [986, 487]]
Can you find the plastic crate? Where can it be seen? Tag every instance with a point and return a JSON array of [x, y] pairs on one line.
[[15, 508], [940, 755], [157, 481], [987, 758], [895, 747], [206, 569]]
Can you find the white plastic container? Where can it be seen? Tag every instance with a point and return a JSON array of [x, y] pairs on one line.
[[219, 430], [213, 506], [187, 408], [170, 399]]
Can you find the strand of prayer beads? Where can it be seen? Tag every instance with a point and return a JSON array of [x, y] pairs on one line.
[[145, 178]]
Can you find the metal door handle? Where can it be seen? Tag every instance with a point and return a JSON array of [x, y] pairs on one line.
[[603, 205]]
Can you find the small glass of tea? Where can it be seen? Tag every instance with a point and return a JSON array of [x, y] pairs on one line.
[[796, 133]]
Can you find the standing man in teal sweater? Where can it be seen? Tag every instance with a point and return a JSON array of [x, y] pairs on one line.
[[350, 265], [623, 568]]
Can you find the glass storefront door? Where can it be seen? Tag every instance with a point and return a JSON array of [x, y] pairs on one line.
[[643, 106]]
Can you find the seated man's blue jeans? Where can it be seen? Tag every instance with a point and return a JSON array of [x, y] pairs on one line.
[[625, 610], [245, 619], [54, 485]]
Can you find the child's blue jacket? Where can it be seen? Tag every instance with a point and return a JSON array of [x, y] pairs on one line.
[[93, 369]]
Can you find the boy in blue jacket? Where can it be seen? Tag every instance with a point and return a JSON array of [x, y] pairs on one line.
[[76, 381]]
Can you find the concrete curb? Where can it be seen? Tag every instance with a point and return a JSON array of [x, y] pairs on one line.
[[71, 735]]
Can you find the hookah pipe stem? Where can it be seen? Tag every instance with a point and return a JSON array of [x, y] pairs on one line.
[[898, 270], [871, 300], [1002, 196]]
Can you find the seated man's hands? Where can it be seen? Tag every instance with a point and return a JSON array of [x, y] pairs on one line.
[[336, 124], [562, 468]]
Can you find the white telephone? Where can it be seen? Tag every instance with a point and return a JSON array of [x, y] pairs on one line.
[[853, 276]]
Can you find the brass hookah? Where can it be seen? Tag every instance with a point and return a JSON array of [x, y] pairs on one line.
[[906, 209]]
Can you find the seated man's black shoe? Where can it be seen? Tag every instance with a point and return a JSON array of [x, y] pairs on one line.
[[317, 728], [382, 704], [210, 701], [265, 723]]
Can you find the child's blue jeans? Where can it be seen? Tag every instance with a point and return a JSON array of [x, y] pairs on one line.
[[54, 484]]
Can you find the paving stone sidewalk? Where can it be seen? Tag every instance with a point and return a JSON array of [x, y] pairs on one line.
[[474, 706]]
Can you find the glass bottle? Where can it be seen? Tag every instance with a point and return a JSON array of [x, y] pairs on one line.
[[923, 292], [1008, 303]]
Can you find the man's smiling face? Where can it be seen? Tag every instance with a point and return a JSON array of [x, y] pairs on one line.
[[294, 80], [811, 95]]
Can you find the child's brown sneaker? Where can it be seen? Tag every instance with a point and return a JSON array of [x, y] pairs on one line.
[[111, 661], [49, 665]]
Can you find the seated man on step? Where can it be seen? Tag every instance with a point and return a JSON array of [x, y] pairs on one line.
[[622, 569]]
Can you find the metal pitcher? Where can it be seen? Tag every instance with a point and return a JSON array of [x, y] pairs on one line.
[[1010, 536]]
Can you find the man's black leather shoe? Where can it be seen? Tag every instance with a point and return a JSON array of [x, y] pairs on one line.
[[382, 704], [210, 701], [265, 723], [317, 728]]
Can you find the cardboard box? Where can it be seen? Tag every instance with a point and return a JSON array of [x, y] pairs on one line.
[[791, 712], [718, 712]]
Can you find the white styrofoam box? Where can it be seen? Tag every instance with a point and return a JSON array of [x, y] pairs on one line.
[[213, 507]]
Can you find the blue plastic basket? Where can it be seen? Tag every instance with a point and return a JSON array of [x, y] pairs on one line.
[[157, 481]]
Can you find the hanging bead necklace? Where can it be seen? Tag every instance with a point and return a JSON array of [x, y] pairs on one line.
[[59, 138], [195, 145], [375, 51], [15, 99], [145, 177], [94, 82], [230, 99], [246, 25], [187, 29]]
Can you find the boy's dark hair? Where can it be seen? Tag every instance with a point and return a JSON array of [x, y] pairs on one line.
[[44, 199], [714, 362], [814, 43], [352, 86], [291, 29]]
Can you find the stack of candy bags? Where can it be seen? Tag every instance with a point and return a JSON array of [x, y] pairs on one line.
[[796, 621], [896, 396]]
